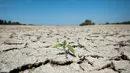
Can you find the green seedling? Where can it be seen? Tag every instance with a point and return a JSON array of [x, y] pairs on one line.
[[64, 46]]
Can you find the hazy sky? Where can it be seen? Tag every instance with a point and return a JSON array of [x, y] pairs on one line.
[[64, 12]]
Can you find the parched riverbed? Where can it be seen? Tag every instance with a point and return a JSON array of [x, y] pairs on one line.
[[98, 49]]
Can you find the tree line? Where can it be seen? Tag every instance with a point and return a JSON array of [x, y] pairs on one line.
[[86, 22], [125, 22], [5, 22]]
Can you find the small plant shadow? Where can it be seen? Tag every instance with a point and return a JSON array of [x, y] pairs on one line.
[[71, 54], [63, 53]]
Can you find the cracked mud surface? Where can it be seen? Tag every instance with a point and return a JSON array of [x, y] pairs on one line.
[[101, 49]]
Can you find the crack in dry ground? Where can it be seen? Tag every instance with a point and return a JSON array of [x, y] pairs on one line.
[[111, 66], [52, 62], [9, 49], [82, 59], [35, 65], [95, 56], [121, 57], [14, 48], [8, 43], [28, 66]]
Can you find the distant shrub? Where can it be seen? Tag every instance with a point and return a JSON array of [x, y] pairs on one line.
[[107, 23], [87, 22]]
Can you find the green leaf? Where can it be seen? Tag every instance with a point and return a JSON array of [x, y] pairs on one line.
[[64, 42], [57, 45], [71, 49]]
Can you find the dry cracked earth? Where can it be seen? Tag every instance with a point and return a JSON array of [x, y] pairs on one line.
[[98, 48]]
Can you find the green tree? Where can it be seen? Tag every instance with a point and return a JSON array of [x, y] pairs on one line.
[[87, 22], [5, 22], [9, 22], [1, 21], [107, 23], [15, 23]]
